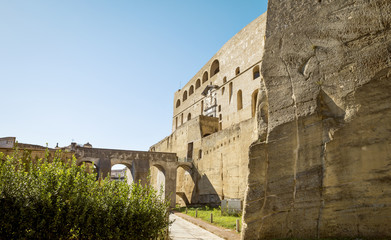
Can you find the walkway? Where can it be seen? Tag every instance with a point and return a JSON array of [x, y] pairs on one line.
[[184, 230]]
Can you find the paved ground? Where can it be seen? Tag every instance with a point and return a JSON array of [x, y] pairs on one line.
[[219, 231], [184, 230]]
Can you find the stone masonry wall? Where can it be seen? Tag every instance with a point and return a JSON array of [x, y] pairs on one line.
[[322, 167]]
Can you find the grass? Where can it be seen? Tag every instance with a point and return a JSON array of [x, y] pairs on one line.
[[225, 221]]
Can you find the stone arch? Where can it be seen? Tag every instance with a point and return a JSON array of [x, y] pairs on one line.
[[178, 103], [205, 77], [158, 179], [214, 68], [92, 166], [126, 173], [239, 100], [184, 185], [198, 83], [191, 90]]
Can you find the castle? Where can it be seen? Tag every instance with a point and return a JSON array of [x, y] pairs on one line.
[[214, 120]]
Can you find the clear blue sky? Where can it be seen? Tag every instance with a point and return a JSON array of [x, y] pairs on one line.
[[105, 71]]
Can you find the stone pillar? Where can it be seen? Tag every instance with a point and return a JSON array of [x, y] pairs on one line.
[[170, 184], [141, 171], [104, 167]]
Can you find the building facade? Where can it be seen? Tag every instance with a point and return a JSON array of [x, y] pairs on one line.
[[214, 120]]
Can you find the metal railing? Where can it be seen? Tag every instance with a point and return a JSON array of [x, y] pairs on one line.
[[185, 159]]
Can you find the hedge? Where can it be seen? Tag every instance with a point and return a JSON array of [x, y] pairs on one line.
[[56, 199]]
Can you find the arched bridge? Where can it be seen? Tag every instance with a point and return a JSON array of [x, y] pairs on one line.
[[139, 163]]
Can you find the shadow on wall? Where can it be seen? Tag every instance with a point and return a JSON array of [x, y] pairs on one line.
[[208, 196]]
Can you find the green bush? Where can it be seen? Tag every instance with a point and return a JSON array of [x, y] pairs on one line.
[[59, 200]]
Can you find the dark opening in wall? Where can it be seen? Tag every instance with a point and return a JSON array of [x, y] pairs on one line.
[[198, 83], [222, 91], [224, 79], [239, 100], [230, 91], [191, 90], [188, 117], [178, 103], [200, 153], [256, 73], [254, 98], [185, 96], [215, 68], [190, 151], [205, 77], [237, 71]]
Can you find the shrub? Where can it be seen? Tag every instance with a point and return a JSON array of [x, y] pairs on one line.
[[58, 200]]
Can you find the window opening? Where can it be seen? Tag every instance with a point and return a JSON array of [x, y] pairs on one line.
[[239, 100]]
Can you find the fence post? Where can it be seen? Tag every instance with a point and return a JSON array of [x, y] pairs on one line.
[[237, 225], [196, 212], [211, 217]]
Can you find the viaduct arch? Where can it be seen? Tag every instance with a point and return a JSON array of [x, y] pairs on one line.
[[139, 162]]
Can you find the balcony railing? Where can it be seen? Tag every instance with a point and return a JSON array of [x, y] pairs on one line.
[[185, 159]]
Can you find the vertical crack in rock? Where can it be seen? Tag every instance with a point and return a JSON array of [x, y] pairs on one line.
[[332, 118], [296, 151], [263, 112]]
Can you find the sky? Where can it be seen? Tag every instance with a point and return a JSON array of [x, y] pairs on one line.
[[105, 71]]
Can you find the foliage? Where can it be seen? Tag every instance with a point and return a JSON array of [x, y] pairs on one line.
[[218, 218], [53, 199]]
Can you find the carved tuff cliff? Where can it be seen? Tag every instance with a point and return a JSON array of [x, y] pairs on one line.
[[322, 165]]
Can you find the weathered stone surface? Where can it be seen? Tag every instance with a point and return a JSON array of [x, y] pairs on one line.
[[323, 165], [215, 121]]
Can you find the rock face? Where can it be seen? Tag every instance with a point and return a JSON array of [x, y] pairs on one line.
[[322, 165]]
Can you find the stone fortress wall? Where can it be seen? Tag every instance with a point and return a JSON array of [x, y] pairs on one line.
[[214, 120], [322, 168]]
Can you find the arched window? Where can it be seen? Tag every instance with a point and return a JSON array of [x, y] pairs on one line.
[[256, 73], [237, 71], [191, 90], [215, 68], [230, 91], [254, 98], [239, 100], [188, 117], [178, 103], [198, 83], [205, 77], [224, 80], [184, 96]]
